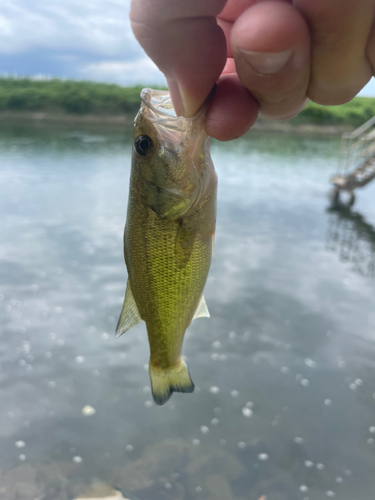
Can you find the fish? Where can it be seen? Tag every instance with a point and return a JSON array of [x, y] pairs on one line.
[[169, 235]]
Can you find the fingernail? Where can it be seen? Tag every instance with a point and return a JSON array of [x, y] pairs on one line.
[[176, 97], [267, 63]]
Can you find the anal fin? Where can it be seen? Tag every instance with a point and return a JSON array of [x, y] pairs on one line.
[[129, 315], [202, 310]]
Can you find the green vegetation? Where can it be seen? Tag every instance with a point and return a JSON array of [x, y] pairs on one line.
[[67, 96], [81, 97], [354, 113]]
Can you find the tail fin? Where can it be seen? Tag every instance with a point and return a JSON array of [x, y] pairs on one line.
[[165, 382]]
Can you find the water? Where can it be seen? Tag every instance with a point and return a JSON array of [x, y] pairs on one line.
[[284, 368]]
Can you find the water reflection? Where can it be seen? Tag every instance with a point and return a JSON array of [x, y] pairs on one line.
[[284, 368], [352, 237]]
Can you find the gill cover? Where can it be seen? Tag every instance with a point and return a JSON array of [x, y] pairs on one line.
[[169, 156]]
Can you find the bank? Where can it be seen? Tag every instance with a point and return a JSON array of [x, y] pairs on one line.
[[38, 102]]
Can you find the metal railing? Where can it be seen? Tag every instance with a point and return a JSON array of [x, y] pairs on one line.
[[357, 147]]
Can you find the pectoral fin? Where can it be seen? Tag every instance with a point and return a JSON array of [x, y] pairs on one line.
[[184, 245], [202, 310], [129, 315]]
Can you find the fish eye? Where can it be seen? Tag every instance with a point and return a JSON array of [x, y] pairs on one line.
[[144, 145]]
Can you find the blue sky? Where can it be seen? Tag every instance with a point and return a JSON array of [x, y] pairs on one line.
[[79, 39]]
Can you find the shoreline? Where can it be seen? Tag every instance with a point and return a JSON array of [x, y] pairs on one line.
[[263, 125], [36, 118]]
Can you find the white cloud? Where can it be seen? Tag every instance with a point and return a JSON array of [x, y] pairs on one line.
[[100, 26], [142, 70], [70, 38]]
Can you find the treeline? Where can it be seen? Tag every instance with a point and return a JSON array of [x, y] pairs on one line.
[[82, 97], [69, 96], [353, 113]]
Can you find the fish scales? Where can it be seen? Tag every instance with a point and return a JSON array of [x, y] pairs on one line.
[[168, 240], [165, 295]]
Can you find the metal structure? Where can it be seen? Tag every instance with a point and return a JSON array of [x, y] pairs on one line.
[[356, 166], [352, 237]]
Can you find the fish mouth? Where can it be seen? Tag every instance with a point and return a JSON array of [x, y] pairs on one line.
[[158, 106], [158, 101]]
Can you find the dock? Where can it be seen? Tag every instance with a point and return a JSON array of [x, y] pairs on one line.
[[356, 166]]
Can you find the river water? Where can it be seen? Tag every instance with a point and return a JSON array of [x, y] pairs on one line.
[[284, 369]]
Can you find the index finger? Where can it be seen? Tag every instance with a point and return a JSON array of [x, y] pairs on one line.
[[185, 42]]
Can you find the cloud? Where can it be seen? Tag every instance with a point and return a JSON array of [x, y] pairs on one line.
[[98, 26], [83, 66], [130, 72], [72, 39]]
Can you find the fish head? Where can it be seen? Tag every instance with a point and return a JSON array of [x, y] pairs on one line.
[[171, 158]]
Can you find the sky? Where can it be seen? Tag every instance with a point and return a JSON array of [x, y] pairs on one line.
[[89, 40]]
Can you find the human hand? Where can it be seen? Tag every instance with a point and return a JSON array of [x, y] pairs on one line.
[[269, 55]]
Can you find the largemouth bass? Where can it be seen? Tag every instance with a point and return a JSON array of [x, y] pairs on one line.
[[169, 235]]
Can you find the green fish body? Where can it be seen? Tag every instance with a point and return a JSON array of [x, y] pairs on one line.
[[169, 234]]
